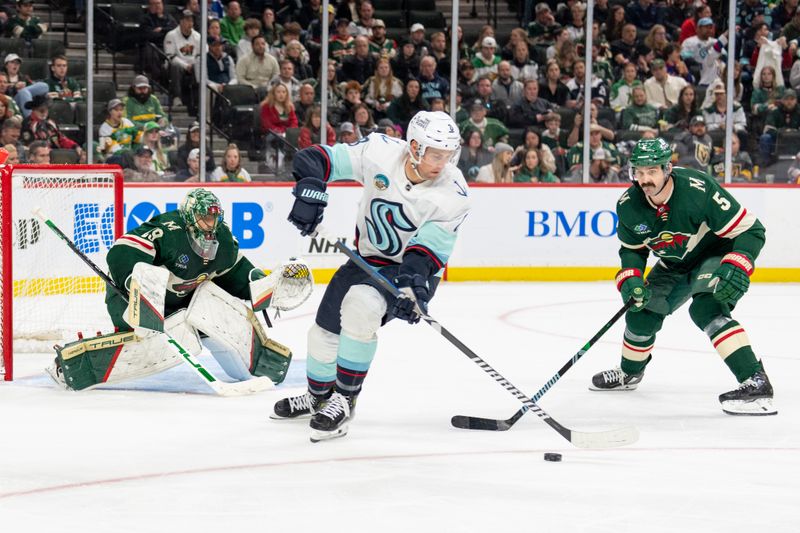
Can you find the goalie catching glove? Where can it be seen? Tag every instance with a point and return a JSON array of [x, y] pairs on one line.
[[286, 288], [732, 278], [413, 302], [309, 205], [631, 285]]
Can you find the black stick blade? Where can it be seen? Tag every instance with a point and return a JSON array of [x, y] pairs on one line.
[[485, 424]]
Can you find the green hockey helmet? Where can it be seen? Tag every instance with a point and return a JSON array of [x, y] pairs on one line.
[[650, 153], [202, 206]]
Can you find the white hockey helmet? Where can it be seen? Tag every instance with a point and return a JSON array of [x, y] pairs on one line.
[[433, 129]]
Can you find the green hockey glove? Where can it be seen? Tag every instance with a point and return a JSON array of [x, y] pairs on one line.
[[631, 285], [732, 279]]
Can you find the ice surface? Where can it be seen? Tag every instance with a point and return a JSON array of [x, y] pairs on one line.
[[148, 458]]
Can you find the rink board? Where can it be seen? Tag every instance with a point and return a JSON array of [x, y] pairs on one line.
[[513, 233]]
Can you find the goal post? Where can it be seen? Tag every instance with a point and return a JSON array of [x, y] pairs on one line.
[[48, 295]]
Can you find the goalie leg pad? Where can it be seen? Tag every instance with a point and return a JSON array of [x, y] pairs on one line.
[[148, 289], [230, 322], [119, 357]]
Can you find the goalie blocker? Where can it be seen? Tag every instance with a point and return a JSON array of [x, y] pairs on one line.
[[235, 338]]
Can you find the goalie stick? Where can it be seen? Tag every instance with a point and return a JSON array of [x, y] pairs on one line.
[[604, 439], [219, 387], [492, 424]]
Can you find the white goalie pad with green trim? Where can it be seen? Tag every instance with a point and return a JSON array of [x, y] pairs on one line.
[[121, 357], [147, 291], [232, 323]]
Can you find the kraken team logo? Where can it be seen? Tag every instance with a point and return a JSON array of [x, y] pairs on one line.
[[387, 219]]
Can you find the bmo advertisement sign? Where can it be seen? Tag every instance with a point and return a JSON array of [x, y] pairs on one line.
[[543, 227]]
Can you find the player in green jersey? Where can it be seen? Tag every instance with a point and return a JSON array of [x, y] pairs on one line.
[[707, 245], [184, 277]]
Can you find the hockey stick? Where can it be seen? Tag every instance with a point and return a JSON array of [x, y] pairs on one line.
[[220, 387], [580, 439], [492, 424]]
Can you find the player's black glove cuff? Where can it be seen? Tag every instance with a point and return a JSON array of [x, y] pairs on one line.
[[309, 204], [414, 300]]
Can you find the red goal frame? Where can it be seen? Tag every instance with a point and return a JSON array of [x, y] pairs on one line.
[[6, 236]]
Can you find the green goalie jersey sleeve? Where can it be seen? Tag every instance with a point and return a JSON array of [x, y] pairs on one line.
[[163, 241], [699, 220]]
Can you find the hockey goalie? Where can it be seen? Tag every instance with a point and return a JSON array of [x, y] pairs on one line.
[[187, 285]]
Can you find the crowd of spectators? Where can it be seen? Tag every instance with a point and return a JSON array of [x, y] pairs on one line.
[[658, 68]]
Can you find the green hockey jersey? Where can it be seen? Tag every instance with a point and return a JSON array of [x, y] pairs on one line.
[[164, 241], [699, 220]]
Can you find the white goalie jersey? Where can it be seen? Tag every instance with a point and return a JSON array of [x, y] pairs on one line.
[[396, 215]]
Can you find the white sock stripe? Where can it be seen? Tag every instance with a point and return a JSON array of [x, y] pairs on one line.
[[635, 353], [730, 340]]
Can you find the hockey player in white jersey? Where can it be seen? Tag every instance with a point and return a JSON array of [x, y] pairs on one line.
[[414, 202]]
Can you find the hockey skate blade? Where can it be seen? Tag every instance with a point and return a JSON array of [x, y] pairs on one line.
[[243, 388], [622, 388], [759, 407], [274, 416], [605, 439], [319, 436]]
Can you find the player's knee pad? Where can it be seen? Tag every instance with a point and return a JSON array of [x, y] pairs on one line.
[[705, 311], [322, 345], [643, 324], [363, 308]]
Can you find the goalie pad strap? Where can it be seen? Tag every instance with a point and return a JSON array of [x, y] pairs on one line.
[[625, 274], [739, 260]]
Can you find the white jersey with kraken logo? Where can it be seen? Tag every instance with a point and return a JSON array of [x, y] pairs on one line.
[[394, 214]]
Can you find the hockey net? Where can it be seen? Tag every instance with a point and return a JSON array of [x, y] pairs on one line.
[[48, 293]]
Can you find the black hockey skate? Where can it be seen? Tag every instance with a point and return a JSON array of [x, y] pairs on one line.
[[298, 406], [615, 379], [753, 397], [333, 419]]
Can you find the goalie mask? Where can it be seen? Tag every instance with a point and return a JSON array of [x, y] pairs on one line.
[[202, 214]]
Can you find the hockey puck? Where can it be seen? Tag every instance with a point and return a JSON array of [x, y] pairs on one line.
[[553, 457]]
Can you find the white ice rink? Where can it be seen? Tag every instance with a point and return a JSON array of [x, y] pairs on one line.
[[149, 459]]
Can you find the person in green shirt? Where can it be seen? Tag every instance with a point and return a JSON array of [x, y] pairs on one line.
[[530, 171], [596, 142], [493, 130], [61, 86], [25, 25], [232, 24], [707, 244], [141, 106], [621, 91], [640, 116]]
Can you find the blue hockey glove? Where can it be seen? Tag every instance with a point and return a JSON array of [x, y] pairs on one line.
[[414, 300], [309, 205]]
